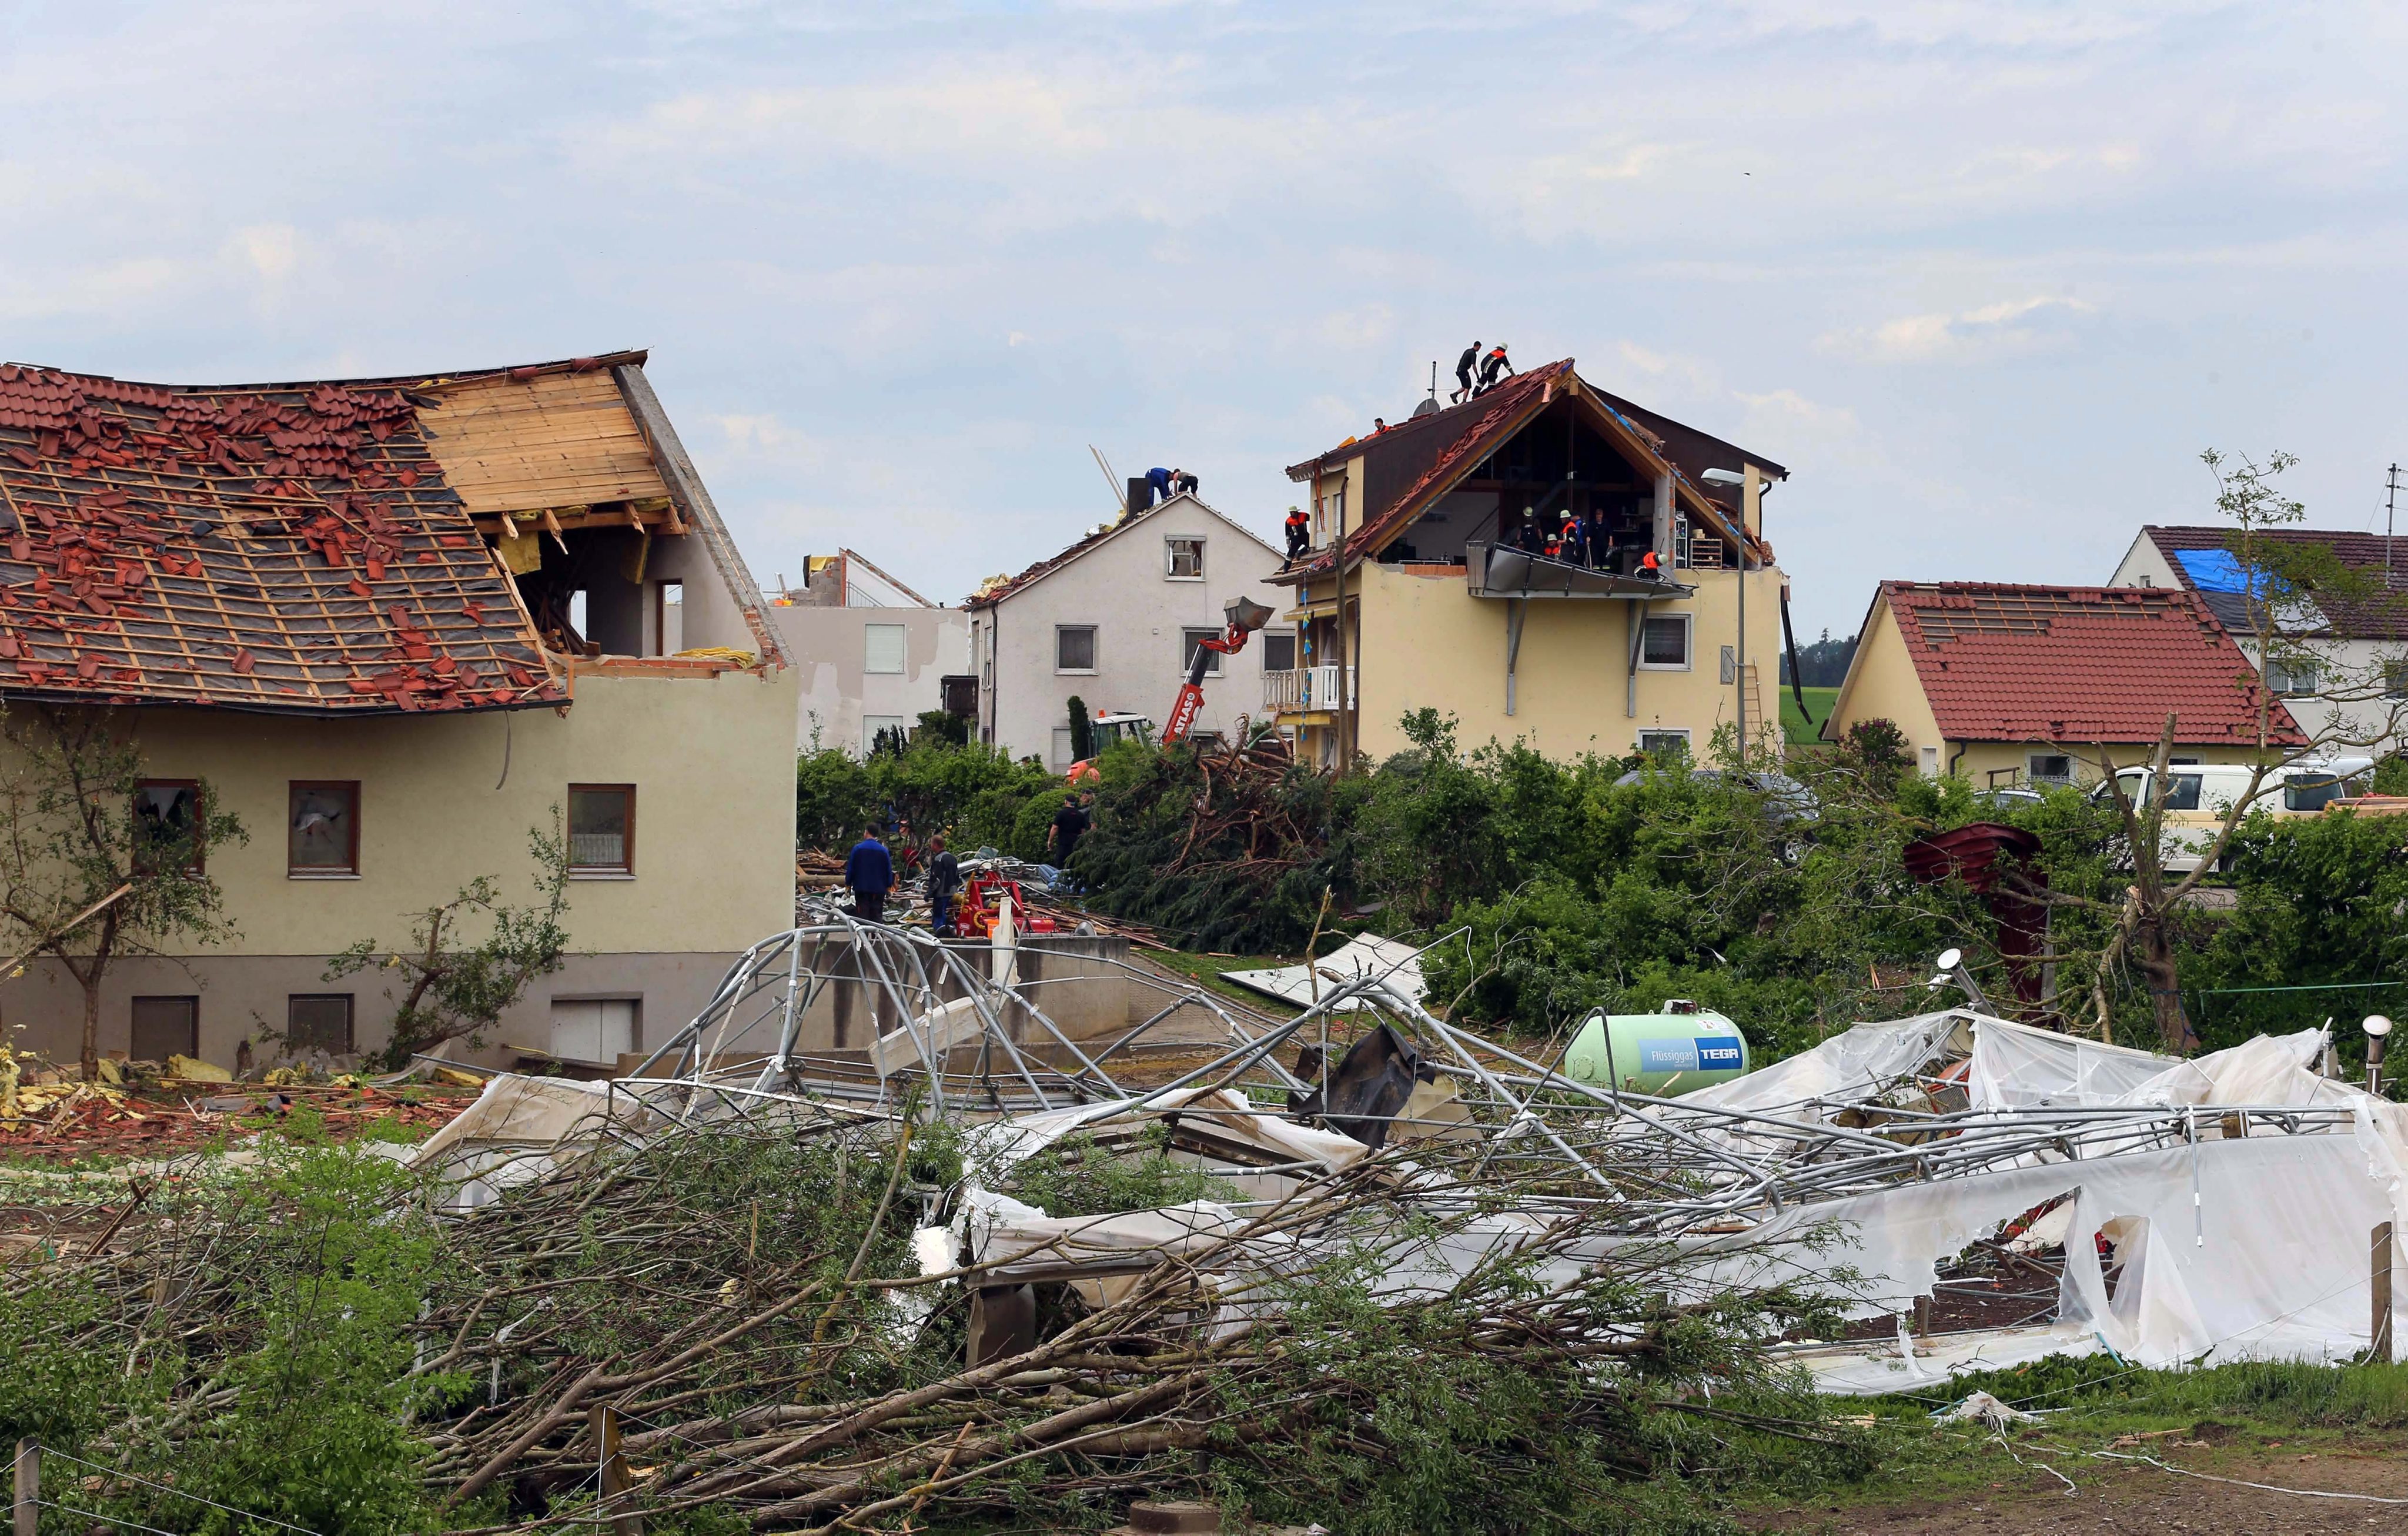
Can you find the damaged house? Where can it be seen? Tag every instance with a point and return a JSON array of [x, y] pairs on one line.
[[875, 654], [1429, 583], [395, 625]]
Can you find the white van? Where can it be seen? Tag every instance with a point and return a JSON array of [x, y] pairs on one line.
[[2199, 796]]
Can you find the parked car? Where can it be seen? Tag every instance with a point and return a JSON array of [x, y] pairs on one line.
[[2199, 796]]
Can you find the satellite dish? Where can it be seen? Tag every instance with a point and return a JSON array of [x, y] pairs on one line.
[[1950, 958]]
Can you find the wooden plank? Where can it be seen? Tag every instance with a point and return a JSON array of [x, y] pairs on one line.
[[27, 1503], [2379, 1258]]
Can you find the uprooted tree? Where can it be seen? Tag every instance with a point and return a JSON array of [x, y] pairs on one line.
[[456, 982], [97, 861]]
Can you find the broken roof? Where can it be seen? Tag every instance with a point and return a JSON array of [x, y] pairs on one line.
[[2380, 556], [996, 588], [2004, 663], [1412, 464], [307, 548]]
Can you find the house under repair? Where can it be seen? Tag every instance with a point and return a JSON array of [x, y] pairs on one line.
[[1432, 539], [394, 626]]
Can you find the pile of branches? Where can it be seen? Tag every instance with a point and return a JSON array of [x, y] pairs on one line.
[[745, 1301], [1224, 847]]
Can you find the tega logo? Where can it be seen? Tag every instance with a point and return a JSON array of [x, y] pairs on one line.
[[1720, 1055]]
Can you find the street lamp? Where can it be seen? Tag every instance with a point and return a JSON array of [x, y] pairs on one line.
[[2378, 1030], [1952, 969]]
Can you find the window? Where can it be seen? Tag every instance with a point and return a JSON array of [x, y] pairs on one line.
[[1730, 665], [1279, 653], [1329, 515], [318, 1021], [2050, 767], [1666, 643], [2295, 678], [167, 824], [1669, 746], [322, 829], [1929, 758], [596, 1028], [668, 617], [602, 829], [1074, 648], [577, 613], [1182, 559], [1061, 758], [2395, 679], [1190, 640], [2311, 792], [166, 1026], [883, 647], [2182, 791], [872, 725]]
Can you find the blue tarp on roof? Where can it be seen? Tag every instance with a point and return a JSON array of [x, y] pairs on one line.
[[2214, 570]]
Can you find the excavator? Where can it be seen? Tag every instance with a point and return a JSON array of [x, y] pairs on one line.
[[1242, 616]]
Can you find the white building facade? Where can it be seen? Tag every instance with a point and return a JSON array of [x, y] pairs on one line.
[[1112, 620], [873, 653]]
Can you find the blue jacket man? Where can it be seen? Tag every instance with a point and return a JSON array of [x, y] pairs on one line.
[[869, 874]]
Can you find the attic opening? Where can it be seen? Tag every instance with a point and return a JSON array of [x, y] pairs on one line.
[[1561, 465], [601, 581]]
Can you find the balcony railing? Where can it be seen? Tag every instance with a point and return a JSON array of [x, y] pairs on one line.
[[1305, 688]]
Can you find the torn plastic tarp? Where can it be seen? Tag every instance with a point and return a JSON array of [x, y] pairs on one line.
[[512, 1132]]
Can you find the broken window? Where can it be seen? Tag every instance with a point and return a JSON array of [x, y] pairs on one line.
[[1666, 642], [1182, 559], [322, 829], [1074, 648], [882, 646], [601, 829], [318, 1021], [2050, 767], [1190, 641], [168, 825], [165, 1027], [1279, 653]]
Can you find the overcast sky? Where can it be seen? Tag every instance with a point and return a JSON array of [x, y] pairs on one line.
[[1985, 277]]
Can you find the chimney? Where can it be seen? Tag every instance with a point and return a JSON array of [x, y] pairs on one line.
[[1141, 496]]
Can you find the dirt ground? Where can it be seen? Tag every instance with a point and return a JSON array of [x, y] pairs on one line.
[[2111, 1497]]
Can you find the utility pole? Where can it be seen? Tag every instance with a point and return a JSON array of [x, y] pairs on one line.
[[2391, 498]]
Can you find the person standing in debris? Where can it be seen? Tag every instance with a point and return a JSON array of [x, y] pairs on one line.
[[869, 874], [1182, 482], [1062, 837], [1494, 370], [944, 878], [1299, 535], [1463, 366]]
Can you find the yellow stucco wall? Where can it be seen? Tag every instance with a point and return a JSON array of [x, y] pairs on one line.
[[1429, 642], [711, 757]]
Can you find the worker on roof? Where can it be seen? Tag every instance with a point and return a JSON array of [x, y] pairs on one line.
[[1299, 535], [1494, 370], [1571, 540], [1650, 567], [1463, 366], [1379, 424], [1596, 540], [1528, 536], [1182, 482]]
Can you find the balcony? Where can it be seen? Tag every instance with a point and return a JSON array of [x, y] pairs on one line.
[[1303, 689]]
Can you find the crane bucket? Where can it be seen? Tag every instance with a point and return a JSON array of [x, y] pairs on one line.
[[1246, 614]]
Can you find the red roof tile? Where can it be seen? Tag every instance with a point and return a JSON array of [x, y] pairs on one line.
[[2076, 665], [2380, 558], [287, 548]]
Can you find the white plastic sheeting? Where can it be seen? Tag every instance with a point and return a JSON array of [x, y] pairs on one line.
[[1365, 954]]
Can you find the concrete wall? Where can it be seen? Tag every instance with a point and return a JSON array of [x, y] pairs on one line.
[[1427, 642], [829, 646], [444, 799], [1119, 586]]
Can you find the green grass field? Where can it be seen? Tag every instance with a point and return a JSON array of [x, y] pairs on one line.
[[1794, 727]]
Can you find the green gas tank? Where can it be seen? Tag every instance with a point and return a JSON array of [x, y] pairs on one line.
[[1669, 1054]]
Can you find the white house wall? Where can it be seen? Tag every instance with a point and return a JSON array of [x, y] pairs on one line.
[[1119, 586], [830, 647]]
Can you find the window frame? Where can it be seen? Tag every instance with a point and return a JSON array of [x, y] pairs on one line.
[[350, 1019], [902, 650], [1062, 743], [200, 864], [2284, 678], [626, 868], [1664, 733], [869, 732], [1170, 544], [2031, 768], [1095, 649], [1191, 635], [1689, 643], [1285, 637], [350, 870]]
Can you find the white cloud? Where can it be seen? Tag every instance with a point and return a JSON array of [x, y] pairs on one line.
[[1991, 331]]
